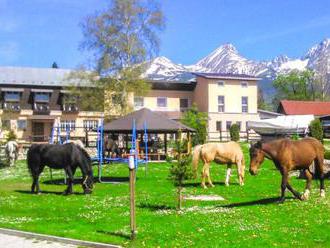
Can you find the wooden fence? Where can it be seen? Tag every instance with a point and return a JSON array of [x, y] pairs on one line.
[[224, 136]]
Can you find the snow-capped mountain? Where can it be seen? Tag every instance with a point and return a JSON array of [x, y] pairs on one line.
[[226, 59]]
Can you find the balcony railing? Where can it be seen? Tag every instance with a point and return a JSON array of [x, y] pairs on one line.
[[41, 108], [11, 106], [70, 108]]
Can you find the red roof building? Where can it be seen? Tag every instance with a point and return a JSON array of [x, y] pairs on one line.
[[289, 107]]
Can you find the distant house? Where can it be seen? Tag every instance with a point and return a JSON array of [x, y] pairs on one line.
[[33, 100], [288, 107], [264, 114]]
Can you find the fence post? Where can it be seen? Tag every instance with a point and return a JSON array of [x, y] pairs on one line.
[[247, 135], [220, 135]]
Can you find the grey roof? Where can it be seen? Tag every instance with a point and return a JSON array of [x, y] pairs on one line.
[[37, 77], [156, 123], [226, 76]]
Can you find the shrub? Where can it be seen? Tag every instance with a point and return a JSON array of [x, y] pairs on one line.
[[180, 169], [11, 135], [234, 132], [327, 155], [316, 129], [295, 136]]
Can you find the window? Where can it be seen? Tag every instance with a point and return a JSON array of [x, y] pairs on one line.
[[41, 97], [245, 106], [12, 96], [138, 101], [21, 124], [239, 124], [183, 103], [6, 124], [221, 104], [90, 124], [162, 102], [218, 125], [68, 125], [221, 83], [228, 125], [244, 84]]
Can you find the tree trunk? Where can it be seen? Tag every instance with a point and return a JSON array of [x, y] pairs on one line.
[[179, 198]]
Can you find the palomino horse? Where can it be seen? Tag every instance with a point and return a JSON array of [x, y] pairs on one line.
[[11, 150], [291, 155], [222, 153]]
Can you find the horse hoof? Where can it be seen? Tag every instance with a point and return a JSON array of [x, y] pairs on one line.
[[305, 196], [281, 200], [227, 184], [322, 193], [204, 187], [212, 185], [87, 192]]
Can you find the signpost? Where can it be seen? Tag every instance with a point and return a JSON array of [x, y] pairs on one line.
[[131, 166]]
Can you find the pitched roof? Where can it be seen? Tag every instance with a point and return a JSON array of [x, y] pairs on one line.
[[37, 76], [226, 76], [155, 123], [305, 107]]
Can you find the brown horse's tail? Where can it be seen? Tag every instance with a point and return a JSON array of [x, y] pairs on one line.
[[195, 159]]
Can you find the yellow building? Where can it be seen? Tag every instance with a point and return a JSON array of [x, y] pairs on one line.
[[227, 98]]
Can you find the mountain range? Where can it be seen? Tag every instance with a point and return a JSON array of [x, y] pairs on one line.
[[227, 59]]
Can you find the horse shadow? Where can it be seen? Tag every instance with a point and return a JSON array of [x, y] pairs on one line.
[[60, 181], [47, 192], [265, 201]]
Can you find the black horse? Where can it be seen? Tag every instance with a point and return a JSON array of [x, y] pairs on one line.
[[68, 157]]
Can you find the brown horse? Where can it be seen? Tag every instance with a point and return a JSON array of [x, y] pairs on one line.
[[291, 155], [222, 153]]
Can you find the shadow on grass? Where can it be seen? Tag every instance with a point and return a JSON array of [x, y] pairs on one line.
[[198, 184], [47, 192], [60, 181], [265, 201], [155, 207], [118, 234]]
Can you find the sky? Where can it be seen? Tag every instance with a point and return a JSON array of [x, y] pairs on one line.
[[36, 33]]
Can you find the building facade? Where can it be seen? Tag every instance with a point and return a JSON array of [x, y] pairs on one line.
[[227, 99], [35, 100]]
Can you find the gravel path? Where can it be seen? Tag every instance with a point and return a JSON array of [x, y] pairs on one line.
[[10, 241]]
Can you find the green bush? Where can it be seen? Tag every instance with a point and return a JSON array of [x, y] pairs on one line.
[[234, 132], [327, 155], [316, 129], [11, 135], [295, 136]]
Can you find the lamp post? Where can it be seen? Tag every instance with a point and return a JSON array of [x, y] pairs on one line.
[[131, 167]]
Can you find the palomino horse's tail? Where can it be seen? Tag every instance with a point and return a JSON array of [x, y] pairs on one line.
[[195, 160]]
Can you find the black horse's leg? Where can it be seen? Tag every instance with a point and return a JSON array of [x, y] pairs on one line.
[[35, 185], [294, 192], [69, 181]]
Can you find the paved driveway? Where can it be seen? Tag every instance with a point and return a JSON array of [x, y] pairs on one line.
[[10, 241]]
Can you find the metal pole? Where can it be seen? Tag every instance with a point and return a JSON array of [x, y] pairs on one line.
[[132, 202]]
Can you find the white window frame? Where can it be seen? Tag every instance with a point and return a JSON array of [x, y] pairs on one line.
[[216, 126], [24, 125], [245, 105], [135, 102], [159, 98], [221, 105], [71, 124], [187, 103], [90, 124]]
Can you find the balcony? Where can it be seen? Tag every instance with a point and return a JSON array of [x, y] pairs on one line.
[[70, 108], [11, 107], [41, 109]]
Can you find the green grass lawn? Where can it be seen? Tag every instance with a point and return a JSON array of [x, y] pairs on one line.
[[248, 217]]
